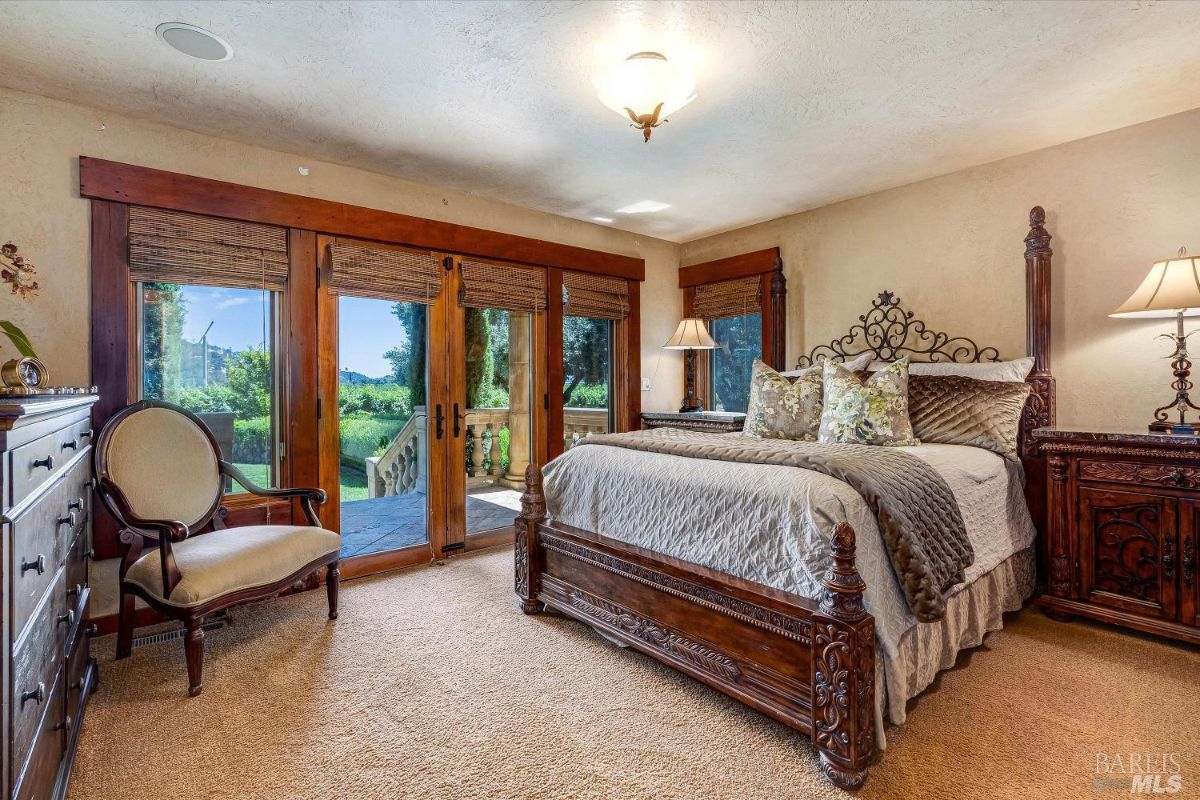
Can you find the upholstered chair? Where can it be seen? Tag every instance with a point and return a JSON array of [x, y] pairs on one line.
[[159, 472]]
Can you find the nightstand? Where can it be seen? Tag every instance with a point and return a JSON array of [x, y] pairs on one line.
[[1123, 529], [710, 421]]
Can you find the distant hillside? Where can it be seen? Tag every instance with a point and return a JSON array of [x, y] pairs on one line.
[[352, 378]]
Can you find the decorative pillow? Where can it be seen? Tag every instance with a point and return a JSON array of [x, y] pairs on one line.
[[857, 364], [951, 409], [1011, 371], [780, 408], [870, 412]]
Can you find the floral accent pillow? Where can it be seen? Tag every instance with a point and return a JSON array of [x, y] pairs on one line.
[[782, 408], [870, 412]]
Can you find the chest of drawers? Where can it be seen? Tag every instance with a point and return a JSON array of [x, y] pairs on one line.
[[45, 511]]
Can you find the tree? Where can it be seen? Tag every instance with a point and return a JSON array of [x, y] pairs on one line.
[[480, 363], [740, 340], [163, 312], [585, 354], [408, 359], [250, 383]]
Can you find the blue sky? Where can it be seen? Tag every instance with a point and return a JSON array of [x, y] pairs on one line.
[[367, 328]]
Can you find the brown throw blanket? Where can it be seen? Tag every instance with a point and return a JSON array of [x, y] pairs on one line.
[[918, 516]]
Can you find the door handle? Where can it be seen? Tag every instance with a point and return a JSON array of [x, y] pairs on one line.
[[458, 420], [439, 422]]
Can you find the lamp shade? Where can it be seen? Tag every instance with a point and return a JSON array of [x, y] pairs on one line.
[[691, 335], [642, 81], [1172, 286]]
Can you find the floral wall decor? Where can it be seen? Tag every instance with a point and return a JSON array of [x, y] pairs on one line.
[[17, 272]]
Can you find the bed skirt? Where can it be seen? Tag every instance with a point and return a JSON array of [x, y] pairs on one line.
[[930, 647]]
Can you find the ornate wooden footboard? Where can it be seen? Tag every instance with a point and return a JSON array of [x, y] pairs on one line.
[[809, 665]]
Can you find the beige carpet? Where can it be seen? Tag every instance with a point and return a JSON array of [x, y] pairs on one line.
[[433, 685]]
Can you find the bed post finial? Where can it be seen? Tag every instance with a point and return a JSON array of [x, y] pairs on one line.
[[525, 562], [843, 669]]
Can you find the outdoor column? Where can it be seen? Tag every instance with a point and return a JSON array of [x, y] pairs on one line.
[[518, 397]]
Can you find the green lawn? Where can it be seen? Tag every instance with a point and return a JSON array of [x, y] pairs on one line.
[[259, 473], [354, 484]]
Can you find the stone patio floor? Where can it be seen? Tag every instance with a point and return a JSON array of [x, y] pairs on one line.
[[390, 523]]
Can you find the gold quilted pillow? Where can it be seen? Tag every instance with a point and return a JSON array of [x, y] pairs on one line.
[[951, 409], [781, 407]]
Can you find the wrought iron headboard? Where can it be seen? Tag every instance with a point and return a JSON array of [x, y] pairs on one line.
[[888, 331]]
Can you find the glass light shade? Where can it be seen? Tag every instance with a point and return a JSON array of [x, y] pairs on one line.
[[691, 335], [1173, 285], [642, 81]]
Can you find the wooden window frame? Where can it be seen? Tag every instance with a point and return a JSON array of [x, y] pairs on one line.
[[768, 266], [113, 187]]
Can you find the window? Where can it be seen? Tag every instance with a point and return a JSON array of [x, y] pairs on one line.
[[212, 350], [587, 377], [739, 342]]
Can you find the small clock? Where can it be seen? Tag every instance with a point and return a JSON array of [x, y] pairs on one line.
[[27, 373]]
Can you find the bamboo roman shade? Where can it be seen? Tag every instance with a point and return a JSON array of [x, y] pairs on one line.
[[728, 298], [586, 295], [384, 273], [174, 247], [488, 285]]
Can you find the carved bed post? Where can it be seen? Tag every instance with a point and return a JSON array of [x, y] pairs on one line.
[[778, 307], [843, 670], [533, 512], [1040, 409]]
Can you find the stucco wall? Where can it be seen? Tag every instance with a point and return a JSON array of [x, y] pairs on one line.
[[40, 210], [951, 248]]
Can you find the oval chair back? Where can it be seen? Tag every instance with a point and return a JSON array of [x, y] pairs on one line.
[[160, 462]]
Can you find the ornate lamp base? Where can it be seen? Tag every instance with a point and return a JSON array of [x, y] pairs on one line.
[[1181, 366], [691, 402]]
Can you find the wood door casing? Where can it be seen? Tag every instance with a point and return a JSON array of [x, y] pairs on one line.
[[1127, 544]]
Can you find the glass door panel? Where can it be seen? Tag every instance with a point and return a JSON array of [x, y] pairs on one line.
[[495, 414], [587, 378], [383, 425]]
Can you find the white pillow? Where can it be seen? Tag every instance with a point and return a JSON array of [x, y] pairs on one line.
[[856, 365], [1012, 371]]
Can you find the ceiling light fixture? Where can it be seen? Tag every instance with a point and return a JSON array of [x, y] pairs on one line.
[[603, 219], [195, 42], [646, 88]]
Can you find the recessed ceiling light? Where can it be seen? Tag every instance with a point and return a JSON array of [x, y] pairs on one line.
[[603, 219], [643, 207], [195, 42]]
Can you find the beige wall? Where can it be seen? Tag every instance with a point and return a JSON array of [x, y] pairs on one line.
[[951, 248], [40, 210]]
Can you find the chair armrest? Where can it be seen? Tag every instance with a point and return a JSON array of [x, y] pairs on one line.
[[308, 496], [118, 504]]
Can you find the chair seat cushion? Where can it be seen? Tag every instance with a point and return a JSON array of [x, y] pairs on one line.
[[219, 563]]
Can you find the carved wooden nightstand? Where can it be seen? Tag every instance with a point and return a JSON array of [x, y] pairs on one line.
[[1123, 529], [710, 421]]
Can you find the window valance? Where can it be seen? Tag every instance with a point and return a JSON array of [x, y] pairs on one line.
[[386, 273], [733, 298], [490, 285], [586, 295]]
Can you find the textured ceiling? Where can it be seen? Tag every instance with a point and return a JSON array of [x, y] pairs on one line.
[[799, 105]]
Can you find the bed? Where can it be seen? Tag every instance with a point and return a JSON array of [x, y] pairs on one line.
[[793, 609]]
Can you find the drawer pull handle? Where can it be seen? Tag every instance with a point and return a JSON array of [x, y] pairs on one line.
[[86, 434], [38, 564], [90, 555], [77, 686], [47, 462], [93, 629], [38, 694], [69, 519], [65, 725], [75, 505], [68, 618], [73, 445], [75, 591]]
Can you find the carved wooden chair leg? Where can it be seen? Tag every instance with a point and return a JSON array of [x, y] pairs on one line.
[[843, 670], [333, 579], [193, 646], [125, 625], [527, 579]]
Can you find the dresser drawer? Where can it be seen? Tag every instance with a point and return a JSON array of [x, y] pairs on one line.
[[31, 465], [41, 540], [37, 659], [49, 742], [1143, 473], [79, 559], [77, 672]]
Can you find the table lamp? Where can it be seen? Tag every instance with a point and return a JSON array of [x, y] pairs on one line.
[[691, 335], [1172, 289]]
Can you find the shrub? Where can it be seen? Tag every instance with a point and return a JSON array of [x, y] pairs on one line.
[[212, 399], [252, 440], [590, 395], [363, 436], [385, 398]]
